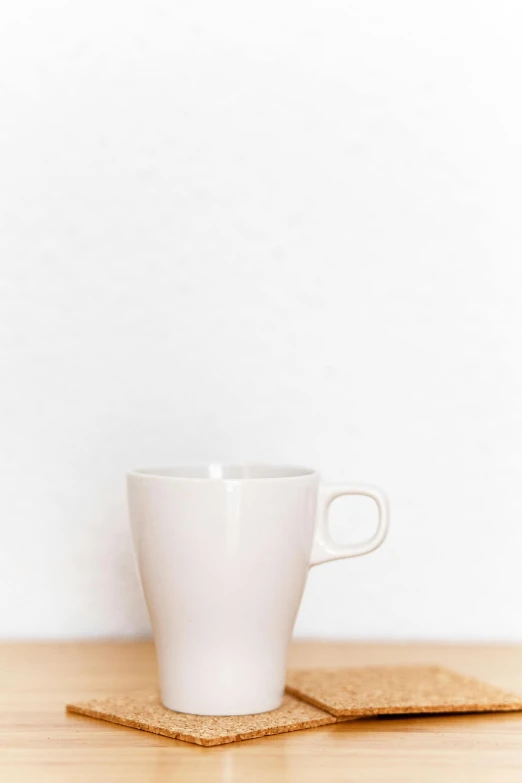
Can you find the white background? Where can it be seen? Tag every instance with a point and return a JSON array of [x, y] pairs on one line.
[[281, 231]]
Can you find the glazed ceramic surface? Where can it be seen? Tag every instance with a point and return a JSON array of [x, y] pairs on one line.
[[223, 553]]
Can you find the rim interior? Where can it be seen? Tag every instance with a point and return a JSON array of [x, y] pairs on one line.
[[217, 471]]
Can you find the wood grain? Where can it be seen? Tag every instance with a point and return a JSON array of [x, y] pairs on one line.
[[40, 742]]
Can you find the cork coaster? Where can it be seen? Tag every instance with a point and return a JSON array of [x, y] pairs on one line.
[[397, 690], [143, 710]]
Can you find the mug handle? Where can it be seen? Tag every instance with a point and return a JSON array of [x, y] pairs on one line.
[[324, 547]]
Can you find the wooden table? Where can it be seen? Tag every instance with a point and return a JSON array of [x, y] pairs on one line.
[[39, 742]]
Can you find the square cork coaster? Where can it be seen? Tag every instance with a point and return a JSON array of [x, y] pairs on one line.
[[397, 690], [143, 710]]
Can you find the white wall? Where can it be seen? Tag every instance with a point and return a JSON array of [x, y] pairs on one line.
[[286, 231]]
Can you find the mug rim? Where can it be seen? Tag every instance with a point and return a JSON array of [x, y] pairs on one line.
[[218, 471]]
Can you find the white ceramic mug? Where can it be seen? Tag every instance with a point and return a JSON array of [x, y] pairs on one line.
[[223, 552]]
